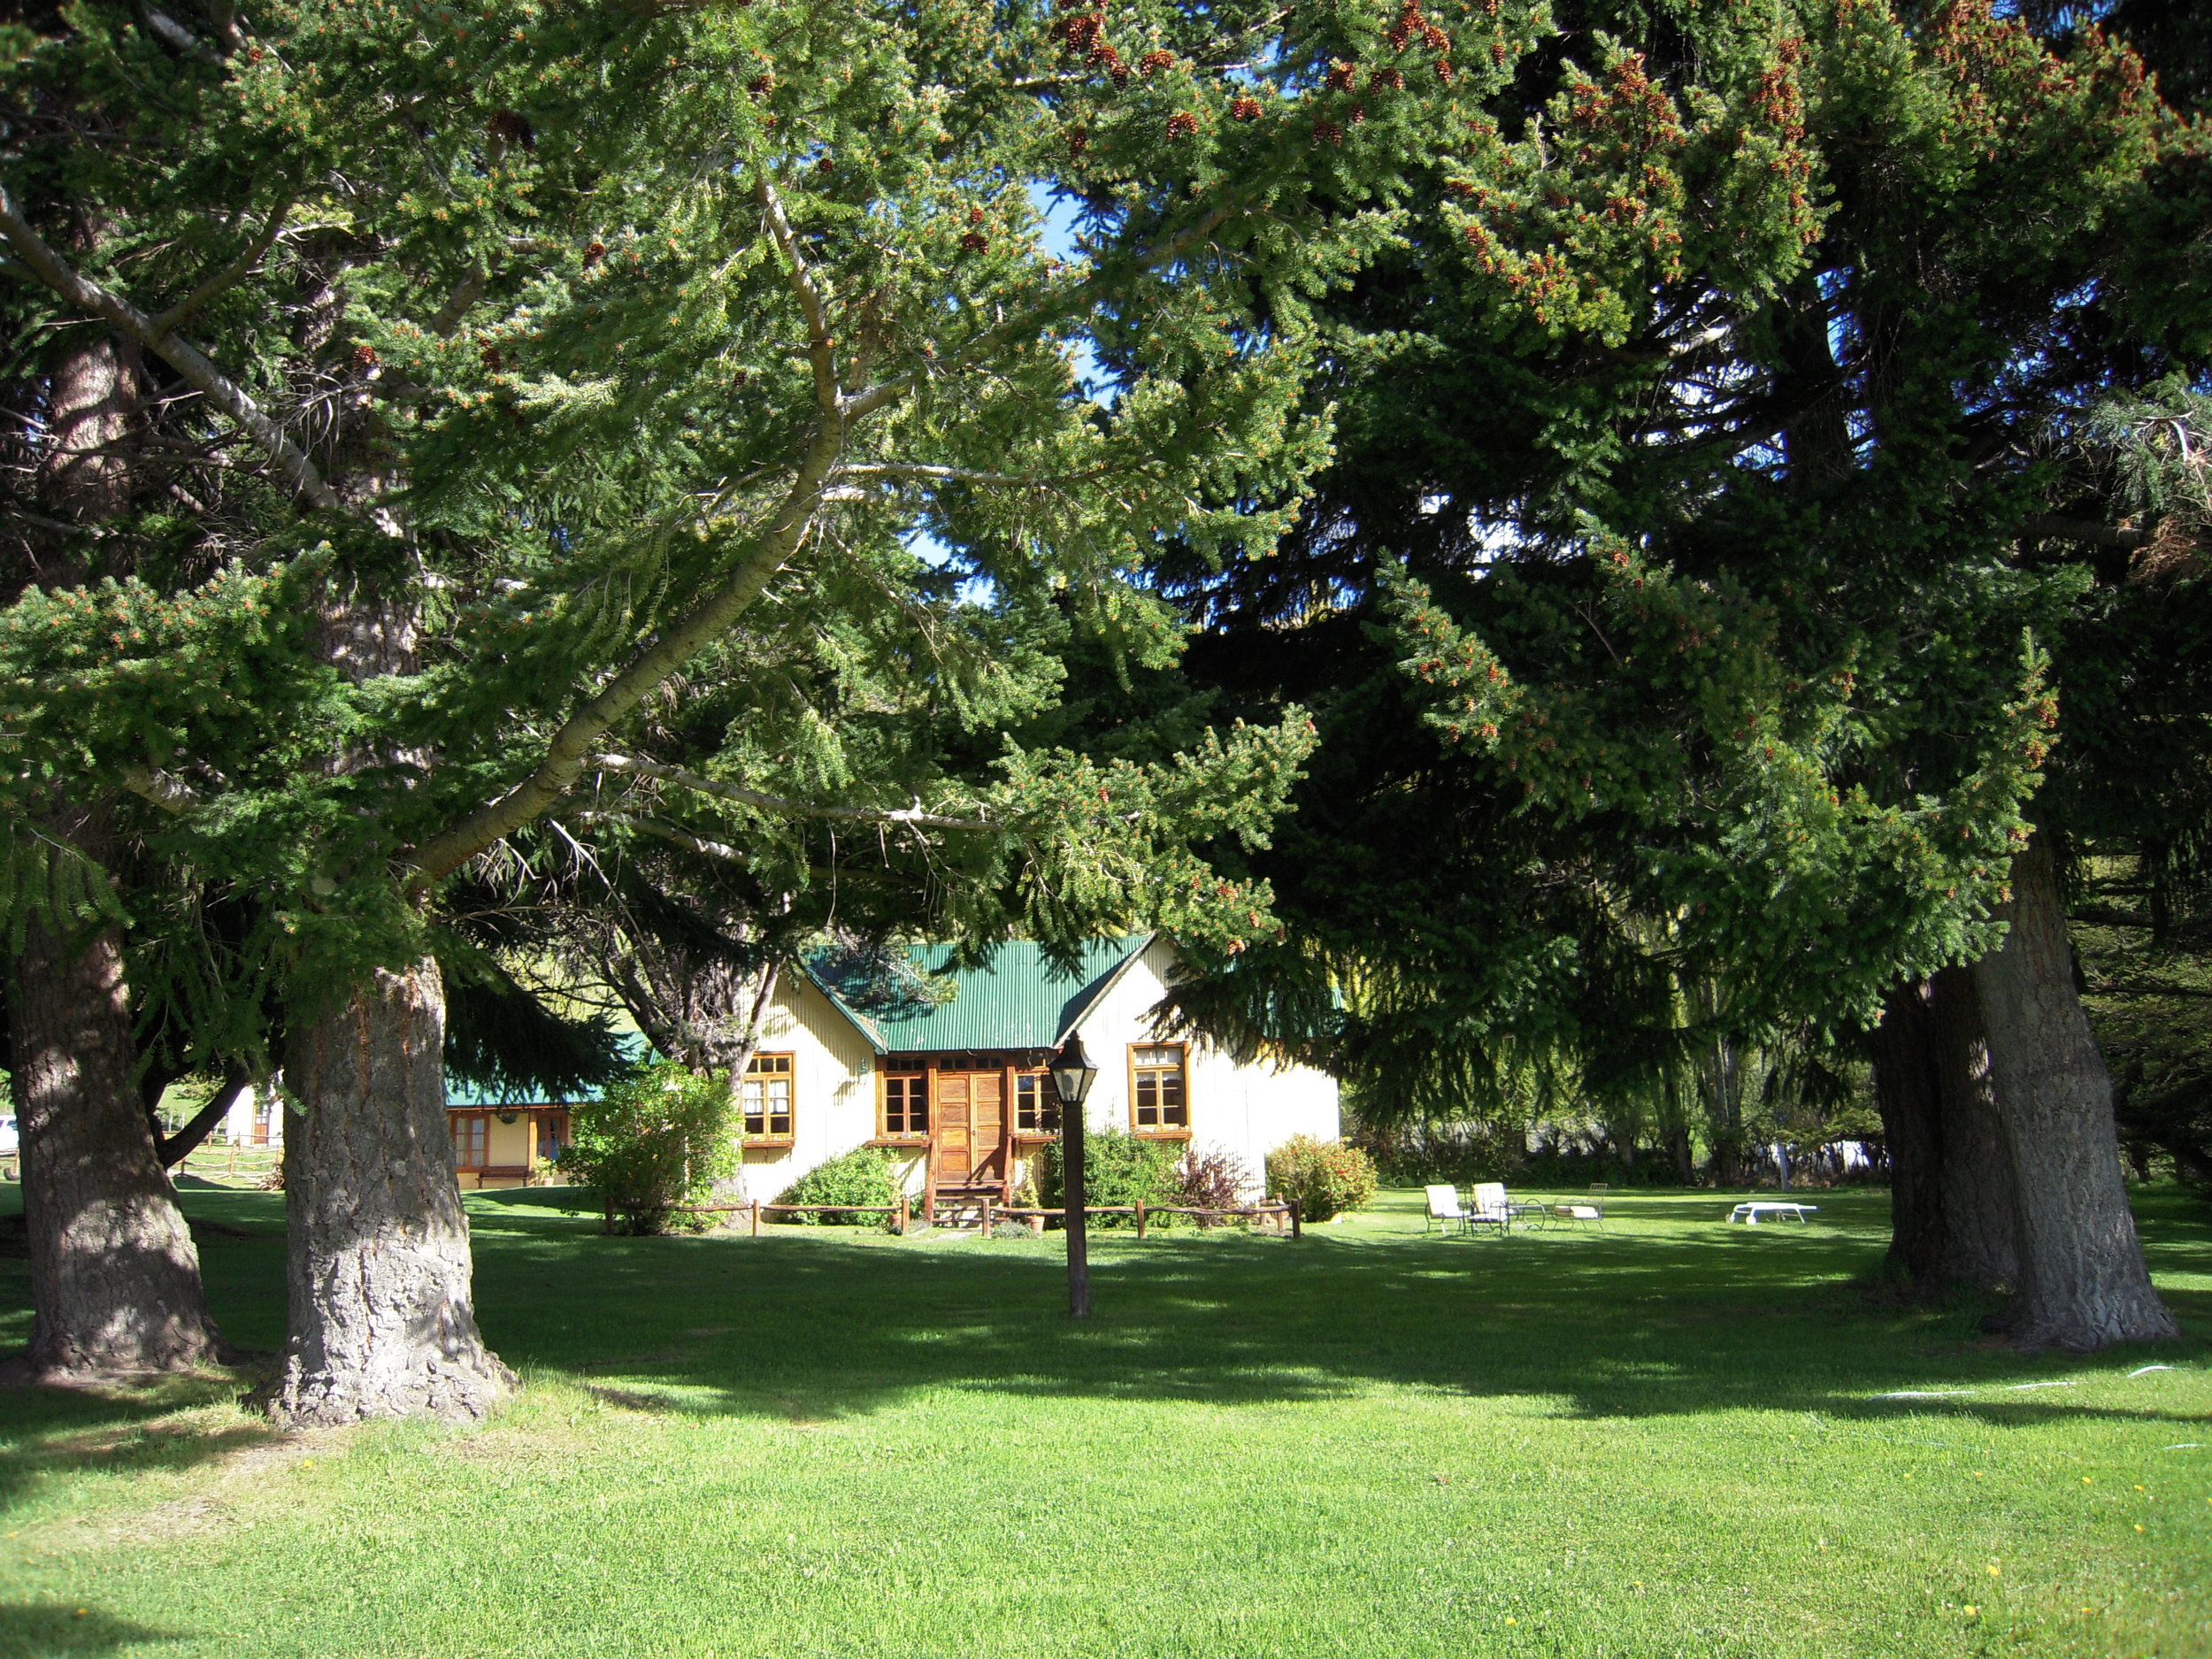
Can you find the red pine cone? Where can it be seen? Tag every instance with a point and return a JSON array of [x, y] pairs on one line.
[[1182, 124], [1386, 79], [826, 165], [1327, 133], [1435, 38], [1340, 78], [761, 85], [1244, 108], [974, 242], [1079, 140], [594, 254], [1156, 60], [365, 356]]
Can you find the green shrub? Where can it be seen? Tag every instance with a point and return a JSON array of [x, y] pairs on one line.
[[867, 1175], [1118, 1169], [1323, 1178], [656, 1139]]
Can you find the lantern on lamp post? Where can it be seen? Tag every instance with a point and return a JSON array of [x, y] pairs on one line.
[[1072, 1075]]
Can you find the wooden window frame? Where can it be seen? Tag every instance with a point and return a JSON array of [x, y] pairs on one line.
[[1048, 1105], [482, 1122], [1160, 1132], [886, 1136], [769, 1137]]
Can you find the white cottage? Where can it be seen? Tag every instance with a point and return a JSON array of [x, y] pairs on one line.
[[959, 1091]]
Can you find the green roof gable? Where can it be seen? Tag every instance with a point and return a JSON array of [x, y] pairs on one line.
[[1017, 1000]]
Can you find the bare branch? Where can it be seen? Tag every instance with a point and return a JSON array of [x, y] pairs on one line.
[[231, 275], [964, 475], [912, 814], [179, 353], [465, 294], [662, 831], [821, 349], [2087, 530], [164, 790], [173, 33]]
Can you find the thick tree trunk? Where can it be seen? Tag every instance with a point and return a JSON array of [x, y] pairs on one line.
[[382, 1322], [1980, 1211], [115, 1281], [2083, 1284], [1906, 1092]]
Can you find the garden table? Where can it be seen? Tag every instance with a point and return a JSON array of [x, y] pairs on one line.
[[1749, 1214]]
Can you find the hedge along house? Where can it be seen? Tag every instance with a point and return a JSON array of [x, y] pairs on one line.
[[957, 1090]]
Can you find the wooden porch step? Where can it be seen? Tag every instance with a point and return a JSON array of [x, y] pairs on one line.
[[961, 1207]]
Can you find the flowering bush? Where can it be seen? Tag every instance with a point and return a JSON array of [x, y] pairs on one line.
[[1323, 1178]]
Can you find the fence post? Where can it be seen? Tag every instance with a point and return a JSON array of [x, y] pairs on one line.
[[1297, 1230], [1141, 1221], [987, 1217], [903, 1215], [756, 1218]]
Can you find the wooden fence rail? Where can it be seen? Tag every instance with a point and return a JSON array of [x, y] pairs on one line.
[[1281, 1214]]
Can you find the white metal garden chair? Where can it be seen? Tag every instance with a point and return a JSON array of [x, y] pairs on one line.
[[1491, 1208], [1444, 1208]]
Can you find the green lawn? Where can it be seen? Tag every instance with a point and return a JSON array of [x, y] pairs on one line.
[[1669, 1439]]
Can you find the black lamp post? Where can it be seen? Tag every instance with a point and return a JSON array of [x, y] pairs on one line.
[[1072, 1075]]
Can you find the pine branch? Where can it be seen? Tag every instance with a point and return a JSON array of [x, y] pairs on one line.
[[82, 292], [571, 746], [912, 814], [1035, 319], [230, 276], [821, 347]]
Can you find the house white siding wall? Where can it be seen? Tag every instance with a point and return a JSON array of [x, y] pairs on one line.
[[1245, 1110], [833, 1088]]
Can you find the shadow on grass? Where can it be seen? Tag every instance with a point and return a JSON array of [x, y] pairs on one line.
[[116, 1431], [1670, 1313], [1667, 1313], [34, 1630]]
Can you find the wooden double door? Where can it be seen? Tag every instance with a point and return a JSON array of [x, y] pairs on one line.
[[967, 1138]]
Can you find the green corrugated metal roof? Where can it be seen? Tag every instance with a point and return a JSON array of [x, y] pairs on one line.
[[1018, 1000]]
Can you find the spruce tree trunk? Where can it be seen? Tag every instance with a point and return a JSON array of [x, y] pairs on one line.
[[2083, 1284], [1906, 1091], [1980, 1214], [115, 1279], [382, 1320]]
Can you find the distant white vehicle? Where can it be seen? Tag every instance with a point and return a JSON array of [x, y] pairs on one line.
[[11, 1143]]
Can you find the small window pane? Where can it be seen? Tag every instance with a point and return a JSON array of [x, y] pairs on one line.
[[766, 1096]]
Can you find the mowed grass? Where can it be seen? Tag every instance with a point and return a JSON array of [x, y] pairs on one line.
[[1672, 1438]]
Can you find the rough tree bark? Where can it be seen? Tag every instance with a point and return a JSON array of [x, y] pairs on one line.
[[1906, 1092], [115, 1281], [1980, 1210], [382, 1319], [2083, 1284]]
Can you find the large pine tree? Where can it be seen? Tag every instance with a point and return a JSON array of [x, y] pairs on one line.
[[593, 359]]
